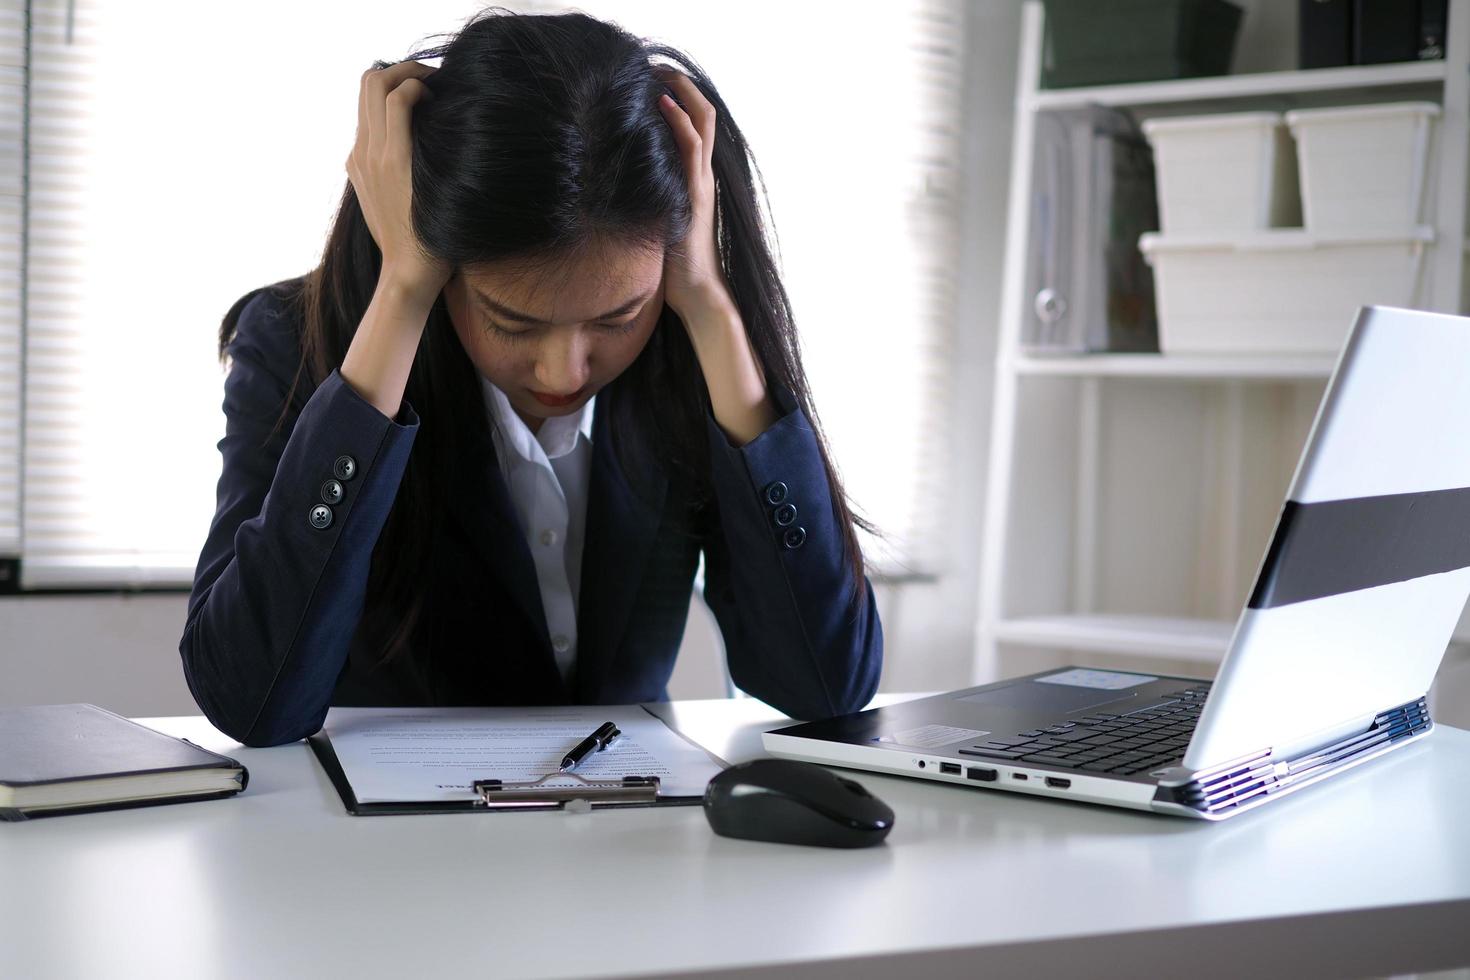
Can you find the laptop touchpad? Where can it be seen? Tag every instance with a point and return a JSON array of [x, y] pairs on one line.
[[1045, 697]]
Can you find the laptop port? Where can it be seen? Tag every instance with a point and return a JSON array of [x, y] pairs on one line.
[[953, 768], [1019, 775], [1058, 782], [984, 775]]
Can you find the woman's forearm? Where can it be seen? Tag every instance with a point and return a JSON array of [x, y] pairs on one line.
[[737, 390], [381, 354]]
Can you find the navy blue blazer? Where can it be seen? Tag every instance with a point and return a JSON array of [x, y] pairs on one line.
[[273, 634]]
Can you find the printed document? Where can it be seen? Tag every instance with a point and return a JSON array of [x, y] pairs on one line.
[[393, 755]]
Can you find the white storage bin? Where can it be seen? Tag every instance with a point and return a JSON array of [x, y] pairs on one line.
[[1364, 166], [1284, 291], [1224, 172]]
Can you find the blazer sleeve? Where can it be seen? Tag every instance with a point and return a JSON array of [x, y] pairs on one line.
[[778, 577], [279, 589]]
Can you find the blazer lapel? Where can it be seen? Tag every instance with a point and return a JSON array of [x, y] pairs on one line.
[[618, 538]]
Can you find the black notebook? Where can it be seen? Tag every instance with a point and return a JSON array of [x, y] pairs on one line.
[[76, 758]]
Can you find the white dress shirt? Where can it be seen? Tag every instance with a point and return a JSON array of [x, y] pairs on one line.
[[547, 473]]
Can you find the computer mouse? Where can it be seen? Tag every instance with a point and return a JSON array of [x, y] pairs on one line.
[[790, 802]]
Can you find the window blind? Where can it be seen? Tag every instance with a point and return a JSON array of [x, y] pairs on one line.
[[121, 393], [12, 231], [57, 527], [127, 275]]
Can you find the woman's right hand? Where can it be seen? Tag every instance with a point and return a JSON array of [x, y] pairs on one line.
[[379, 167]]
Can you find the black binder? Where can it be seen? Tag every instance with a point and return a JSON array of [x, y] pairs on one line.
[[1324, 33], [554, 791], [99, 758]]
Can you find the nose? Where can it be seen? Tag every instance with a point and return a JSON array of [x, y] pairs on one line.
[[561, 363]]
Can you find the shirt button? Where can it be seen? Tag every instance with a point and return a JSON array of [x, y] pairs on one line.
[[320, 517], [548, 537], [332, 492], [775, 492], [560, 643], [345, 468]]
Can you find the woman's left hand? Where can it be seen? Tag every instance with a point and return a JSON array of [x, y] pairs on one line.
[[694, 284]]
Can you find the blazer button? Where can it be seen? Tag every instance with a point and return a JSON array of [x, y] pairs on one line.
[[320, 517], [345, 468], [332, 492], [795, 537], [775, 492], [784, 515]]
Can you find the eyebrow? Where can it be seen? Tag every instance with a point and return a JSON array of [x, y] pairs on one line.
[[519, 317]]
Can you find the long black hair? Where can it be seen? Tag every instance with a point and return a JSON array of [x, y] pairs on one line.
[[542, 140]]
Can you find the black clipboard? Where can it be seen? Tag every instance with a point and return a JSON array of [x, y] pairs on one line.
[[503, 796]]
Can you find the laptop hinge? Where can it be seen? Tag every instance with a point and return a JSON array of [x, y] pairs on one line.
[[1242, 781]]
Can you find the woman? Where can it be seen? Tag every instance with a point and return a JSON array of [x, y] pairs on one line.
[[474, 456]]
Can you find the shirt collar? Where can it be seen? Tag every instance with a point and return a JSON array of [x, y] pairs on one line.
[[556, 437]]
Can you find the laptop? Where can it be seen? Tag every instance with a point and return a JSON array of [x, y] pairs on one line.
[[1354, 603]]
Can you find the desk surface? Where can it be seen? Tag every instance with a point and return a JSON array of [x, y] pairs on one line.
[[1367, 873]]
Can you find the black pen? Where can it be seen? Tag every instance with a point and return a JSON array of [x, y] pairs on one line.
[[596, 742]]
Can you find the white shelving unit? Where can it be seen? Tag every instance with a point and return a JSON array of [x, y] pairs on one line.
[[1266, 83], [1131, 496]]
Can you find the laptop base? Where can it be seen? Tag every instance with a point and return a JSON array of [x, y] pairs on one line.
[[943, 738]]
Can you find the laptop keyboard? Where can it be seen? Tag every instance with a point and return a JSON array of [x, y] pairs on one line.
[[1146, 738]]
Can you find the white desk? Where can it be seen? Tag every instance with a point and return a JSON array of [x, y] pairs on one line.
[[1366, 874]]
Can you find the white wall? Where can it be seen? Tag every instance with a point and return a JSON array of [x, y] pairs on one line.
[[117, 651]]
